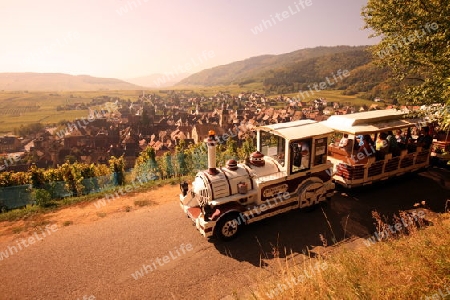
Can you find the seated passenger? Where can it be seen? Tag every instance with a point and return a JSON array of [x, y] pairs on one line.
[[301, 155], [346, 144], [365, 148], [343, 142], [382, 146], [401, 139], [424, 140], [411, 145], [393, 145], [360, 140], [305, 155]]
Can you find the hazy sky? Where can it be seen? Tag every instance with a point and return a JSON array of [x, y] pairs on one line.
[[131, 38]]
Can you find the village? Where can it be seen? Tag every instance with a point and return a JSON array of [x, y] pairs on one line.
[[121, 127]]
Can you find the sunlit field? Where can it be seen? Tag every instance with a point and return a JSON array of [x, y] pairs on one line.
[[22, 108]]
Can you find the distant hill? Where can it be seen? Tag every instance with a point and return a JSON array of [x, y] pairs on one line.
[[254, 68], [295, 71], [60, 82], [364, 78], [157, 80]]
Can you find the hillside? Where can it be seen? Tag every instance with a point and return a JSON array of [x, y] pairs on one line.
[[157, 80], [365, 78], [276, 74], [60, 82], [299, 70], [253, 69]]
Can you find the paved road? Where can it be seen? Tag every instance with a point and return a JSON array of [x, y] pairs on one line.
[[98, 259]]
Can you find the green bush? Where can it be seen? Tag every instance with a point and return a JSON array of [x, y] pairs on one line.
[[42, 197]]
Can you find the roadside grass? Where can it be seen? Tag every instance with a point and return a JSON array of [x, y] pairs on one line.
[[37, 222], [101, 214], [32, 212], [18, 229], [142, 203], [67, 223], [412, 266]]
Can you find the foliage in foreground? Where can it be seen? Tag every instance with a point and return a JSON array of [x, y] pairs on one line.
[[414, 45], [410, 267]]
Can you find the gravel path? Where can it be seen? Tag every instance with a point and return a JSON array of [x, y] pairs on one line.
[[98, 259]]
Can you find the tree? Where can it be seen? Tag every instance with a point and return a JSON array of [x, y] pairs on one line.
[[199, 154], [230, 151], [36, 177], [180, 155], [72, 178], [168, 166], [117, 167], [145, 164], [145, 120], [32, 128], [70, 158], [414, 45], [247, 148]]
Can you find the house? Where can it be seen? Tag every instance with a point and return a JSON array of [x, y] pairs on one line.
[[77, 138], [131, 149], [9, 144], [200, 131]]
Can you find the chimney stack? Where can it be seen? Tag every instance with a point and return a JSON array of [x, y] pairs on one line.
[[211, 142]]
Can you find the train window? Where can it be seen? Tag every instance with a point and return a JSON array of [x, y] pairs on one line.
[[273, 145], [320, 151], [300, 155]]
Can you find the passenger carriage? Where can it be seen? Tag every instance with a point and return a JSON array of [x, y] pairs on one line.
[[353, 168]]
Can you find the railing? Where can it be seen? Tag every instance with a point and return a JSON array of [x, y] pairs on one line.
[[15, 196], [18, 196], [389, 166]]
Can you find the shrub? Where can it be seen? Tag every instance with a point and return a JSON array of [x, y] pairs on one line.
[[42, 197]]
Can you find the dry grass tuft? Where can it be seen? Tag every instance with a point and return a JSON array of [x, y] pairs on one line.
[[411, 264]]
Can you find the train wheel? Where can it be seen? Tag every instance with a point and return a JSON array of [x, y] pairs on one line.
[[228, 227], [311, 193]]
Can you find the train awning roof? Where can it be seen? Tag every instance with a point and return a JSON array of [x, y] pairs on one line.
[[297, 129], [368, 122]]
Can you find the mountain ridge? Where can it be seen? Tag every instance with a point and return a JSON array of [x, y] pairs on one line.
[[285, 73], [297, 71], [157, 80], [254, 68], [32, 81]]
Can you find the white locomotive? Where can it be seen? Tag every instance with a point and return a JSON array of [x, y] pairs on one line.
[[290, 170]]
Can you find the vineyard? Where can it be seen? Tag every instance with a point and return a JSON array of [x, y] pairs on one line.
[[45, 186], [41, 186], [18, 110]]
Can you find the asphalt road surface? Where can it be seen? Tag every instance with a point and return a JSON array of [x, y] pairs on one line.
[[98, 259]]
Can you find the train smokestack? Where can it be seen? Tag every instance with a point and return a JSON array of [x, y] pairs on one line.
[[211, 142]]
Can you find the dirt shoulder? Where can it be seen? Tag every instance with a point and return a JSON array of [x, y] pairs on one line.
[[87, 212]]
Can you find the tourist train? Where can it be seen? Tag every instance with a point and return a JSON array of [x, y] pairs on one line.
[[297, 165]]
